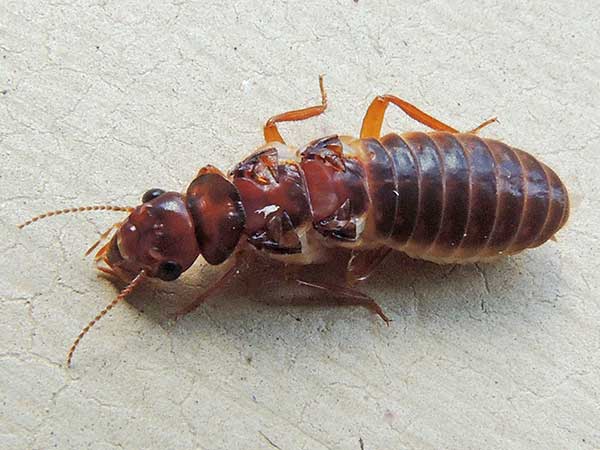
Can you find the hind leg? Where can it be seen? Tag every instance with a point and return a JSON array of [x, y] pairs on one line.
[[483, 125], [347, 296], [360, 266], [371, 126]]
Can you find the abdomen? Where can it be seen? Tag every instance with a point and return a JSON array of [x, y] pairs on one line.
[[461, 198], [438, 196]]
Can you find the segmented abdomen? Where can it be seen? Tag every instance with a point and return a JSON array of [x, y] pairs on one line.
[[438, 196], [461, 198]]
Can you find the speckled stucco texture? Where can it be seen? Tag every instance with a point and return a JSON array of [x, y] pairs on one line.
[[102, 100]]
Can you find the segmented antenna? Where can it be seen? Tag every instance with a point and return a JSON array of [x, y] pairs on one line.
[[75, 210], [122, 295]]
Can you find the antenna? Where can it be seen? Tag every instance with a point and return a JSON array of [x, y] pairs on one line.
[[122, 295], [75, 210]]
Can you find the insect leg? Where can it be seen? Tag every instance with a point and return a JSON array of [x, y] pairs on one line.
[[102, 237], [347, 296], [483, 125], [362, 264], [371, 126], [210, 290], [270, 129]]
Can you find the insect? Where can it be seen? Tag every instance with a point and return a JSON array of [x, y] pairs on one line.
[[442, 196]]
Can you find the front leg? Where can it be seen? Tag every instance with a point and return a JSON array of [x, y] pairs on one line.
[[212, 289]]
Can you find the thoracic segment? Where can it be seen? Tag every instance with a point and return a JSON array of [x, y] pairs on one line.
[[438, 196]]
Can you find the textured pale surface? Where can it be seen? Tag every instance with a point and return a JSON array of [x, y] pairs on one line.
[[102, 100]]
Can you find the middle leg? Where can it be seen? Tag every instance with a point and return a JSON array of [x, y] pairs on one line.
[[270, 129], [362, 264]]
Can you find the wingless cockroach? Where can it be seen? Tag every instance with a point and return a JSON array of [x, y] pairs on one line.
[[443, 196]]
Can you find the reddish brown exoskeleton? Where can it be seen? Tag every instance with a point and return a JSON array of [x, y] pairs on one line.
[[443, 196]]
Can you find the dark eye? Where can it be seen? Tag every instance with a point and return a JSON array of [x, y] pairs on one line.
[[152, 194], [169, 271]]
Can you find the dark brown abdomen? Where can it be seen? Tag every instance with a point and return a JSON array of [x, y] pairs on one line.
[[461, 198]]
